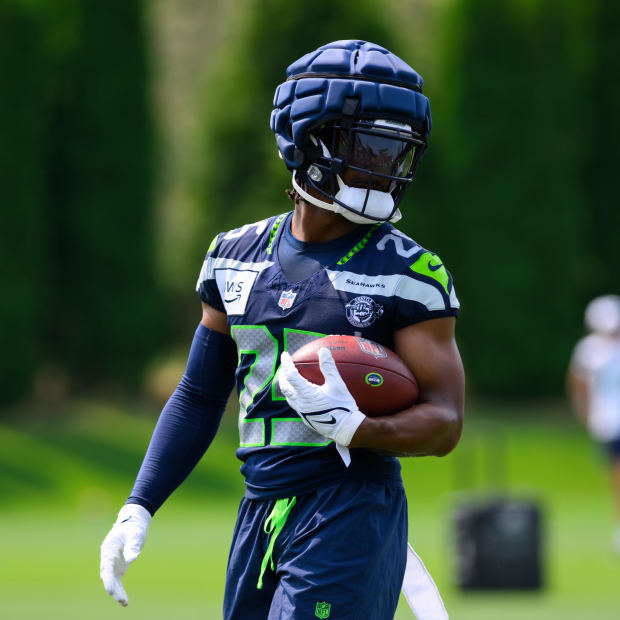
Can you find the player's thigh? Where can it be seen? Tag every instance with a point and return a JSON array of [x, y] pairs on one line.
[[242, 599], [347, 556]]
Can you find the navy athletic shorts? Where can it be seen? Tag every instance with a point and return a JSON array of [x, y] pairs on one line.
[[340, 554]]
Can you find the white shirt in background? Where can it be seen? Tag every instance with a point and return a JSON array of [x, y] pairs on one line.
[[596, 359]]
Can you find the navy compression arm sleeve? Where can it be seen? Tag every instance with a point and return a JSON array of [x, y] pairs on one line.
[[189, 420]]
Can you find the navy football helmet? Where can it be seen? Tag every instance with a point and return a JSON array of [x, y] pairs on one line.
[[351, 123]]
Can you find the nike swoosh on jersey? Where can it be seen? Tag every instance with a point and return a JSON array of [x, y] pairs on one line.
[[434, 267]]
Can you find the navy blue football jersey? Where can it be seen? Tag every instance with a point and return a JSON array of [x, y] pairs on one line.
[[384, 282]]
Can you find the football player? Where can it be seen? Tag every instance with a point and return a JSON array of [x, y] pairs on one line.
[[594, 386], [322, 528]]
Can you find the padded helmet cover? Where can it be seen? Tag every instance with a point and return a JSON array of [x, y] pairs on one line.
[[319, 84]]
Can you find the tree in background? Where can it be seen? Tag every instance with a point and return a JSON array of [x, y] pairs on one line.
[[77, 153], [22, 235], [105, 306], [513, 140], [516, 193], [603, 88], [239, 176]]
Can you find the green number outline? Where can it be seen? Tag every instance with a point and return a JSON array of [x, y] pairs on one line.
[[285, 334], [259, 444], [272, 377], [256, 353], [296, 420], [293, 443]]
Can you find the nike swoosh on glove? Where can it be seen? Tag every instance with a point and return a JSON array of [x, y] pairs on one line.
[[121, 547], [328, 409]]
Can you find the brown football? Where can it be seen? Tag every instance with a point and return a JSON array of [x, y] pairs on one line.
[[379, 380]]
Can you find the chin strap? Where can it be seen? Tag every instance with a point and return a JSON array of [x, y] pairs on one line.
[[336, 208], [350, 215], [311, 199]]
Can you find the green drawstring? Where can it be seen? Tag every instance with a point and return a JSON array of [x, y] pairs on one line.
[[273, 525]]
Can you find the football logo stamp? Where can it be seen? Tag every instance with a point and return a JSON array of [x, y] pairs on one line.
[[363, 311], [374, 379], [372, 348], [286, 299]]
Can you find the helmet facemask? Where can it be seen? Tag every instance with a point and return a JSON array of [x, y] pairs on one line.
[[360, 168]]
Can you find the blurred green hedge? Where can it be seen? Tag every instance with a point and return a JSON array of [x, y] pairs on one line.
[[602, 87], [77, 160], [527, 140], [517, 193], [513, 149], [23, 245], [239, 177]]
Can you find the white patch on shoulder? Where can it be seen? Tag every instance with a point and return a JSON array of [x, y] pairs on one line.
[[235, 286], [235, 280]]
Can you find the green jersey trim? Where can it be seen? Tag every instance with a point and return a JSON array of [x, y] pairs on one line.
[[359, 246], [213, 243], [245, 433], [274, 232]]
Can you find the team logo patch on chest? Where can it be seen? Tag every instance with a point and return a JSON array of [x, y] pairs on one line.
[[286, 299], [363, 311]]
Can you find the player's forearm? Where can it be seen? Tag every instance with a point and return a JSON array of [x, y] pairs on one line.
[[184, 431], [189, 421], [578, 392], [427, 429]]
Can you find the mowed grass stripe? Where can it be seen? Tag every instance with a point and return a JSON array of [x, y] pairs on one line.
[[62, 481]]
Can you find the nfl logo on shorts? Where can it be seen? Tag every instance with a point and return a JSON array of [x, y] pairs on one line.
[[286, 301], [322, 610]]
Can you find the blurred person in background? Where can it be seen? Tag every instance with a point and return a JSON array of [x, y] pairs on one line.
[[324, 506], [594, 386]]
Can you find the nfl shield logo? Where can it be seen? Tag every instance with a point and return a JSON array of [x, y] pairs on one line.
[[372, 348], [322, 610], [286, 301]]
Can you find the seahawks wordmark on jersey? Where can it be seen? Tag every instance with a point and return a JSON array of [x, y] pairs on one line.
[[385, 282]]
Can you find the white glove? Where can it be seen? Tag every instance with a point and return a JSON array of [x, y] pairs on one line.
[[121, 547], [328, 409]]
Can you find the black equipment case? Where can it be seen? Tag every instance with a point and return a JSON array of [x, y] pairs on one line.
[[498, 545]]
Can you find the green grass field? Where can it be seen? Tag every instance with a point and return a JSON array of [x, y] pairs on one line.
[[62, 479]]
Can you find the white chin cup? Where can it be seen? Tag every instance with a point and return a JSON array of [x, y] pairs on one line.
[[379, 205]]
